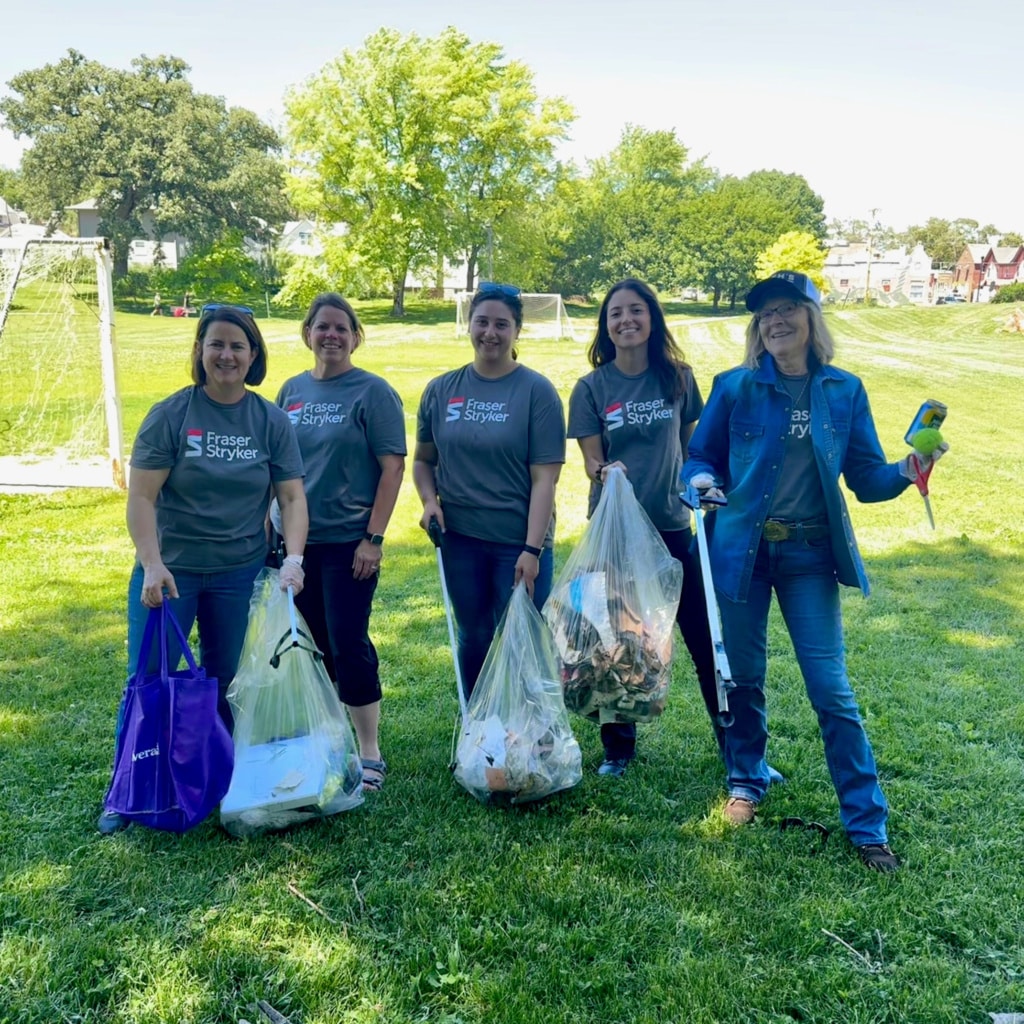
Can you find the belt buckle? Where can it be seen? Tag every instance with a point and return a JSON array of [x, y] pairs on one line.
[[775, 531]]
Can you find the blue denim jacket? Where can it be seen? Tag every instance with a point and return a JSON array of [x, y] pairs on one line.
[[740, 440]]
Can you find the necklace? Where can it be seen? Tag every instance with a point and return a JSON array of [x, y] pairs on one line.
[[790, 382]]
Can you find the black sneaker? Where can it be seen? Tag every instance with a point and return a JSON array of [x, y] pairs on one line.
[[616, 767], [878, 857], [111, 822]]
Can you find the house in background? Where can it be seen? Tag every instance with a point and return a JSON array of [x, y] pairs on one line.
[[16, 228], [983, 269], [170, 249], [896, 276]]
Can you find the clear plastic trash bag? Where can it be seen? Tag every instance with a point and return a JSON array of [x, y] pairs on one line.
[[295, 754], [611, 612], [517, 744]]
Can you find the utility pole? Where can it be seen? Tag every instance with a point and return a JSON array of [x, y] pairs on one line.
[[867, 275]]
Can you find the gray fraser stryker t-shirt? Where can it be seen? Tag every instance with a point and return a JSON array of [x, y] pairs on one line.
[[640, 428], [487, 434], [343, 424], [211, 510]]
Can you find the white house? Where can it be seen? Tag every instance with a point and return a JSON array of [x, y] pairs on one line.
[[170, 248], [893, 276]]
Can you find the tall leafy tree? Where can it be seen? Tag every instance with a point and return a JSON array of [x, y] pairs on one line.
[[727, 228], [640, 190], [422, 146], [145, 145]]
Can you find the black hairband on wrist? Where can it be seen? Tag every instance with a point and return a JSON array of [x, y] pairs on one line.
[[531, 550]]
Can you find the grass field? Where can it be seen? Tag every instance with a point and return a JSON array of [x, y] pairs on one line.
[[620, 901]]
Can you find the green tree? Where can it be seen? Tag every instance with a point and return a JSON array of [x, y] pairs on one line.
[[794, 250], [221, 272], [943, 240], [147, 147], [803, 207], [726, 229], [13, 188], [421, 146]]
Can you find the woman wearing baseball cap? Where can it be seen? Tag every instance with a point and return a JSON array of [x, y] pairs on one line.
[[774, 438]]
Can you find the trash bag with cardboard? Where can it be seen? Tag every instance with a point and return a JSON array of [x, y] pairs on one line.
[[516, 742], [612, 610], [295, 753]]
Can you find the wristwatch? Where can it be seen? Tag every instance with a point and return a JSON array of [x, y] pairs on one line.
[[374, 538]]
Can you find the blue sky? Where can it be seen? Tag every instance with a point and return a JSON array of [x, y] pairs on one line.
[[909, 107]]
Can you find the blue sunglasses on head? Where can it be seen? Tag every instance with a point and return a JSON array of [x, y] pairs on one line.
[[508, 290], [211, 306]]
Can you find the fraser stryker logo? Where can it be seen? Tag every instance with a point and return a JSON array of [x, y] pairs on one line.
[[194, 440], [294, 413], [613, 416], [455, 409]]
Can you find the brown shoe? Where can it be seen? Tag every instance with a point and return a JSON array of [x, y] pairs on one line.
[[878, 857], [739, 811]]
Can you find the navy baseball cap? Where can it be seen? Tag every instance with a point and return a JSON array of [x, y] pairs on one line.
[[783, 282]]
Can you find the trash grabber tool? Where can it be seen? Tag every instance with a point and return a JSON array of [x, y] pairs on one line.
[[691, 498], [434, 532], [921, 482]]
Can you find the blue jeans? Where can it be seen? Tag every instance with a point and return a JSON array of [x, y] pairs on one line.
[[480, 576], [803, 576], [219, 602]]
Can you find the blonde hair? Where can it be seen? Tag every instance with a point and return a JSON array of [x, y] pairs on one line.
[[822, 345]]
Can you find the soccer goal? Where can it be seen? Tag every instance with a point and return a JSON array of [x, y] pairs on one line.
[[544, 316], [60, 414]]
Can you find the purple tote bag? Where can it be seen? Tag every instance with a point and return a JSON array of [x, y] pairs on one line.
[[174, 754]]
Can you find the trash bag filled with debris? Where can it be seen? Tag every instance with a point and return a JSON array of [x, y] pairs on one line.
[[517, 744], [611, 612], [295, 753]]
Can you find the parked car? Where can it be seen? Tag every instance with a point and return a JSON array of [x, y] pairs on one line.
[[947, 300]]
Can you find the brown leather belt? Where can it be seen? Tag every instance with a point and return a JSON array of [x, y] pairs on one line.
[[775, 530]]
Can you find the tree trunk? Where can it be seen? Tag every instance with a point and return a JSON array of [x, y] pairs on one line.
[[732, 300], [398, 296], [471, 267], [716, 295]]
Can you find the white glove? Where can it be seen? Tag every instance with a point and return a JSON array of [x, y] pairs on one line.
[[702, 481], [924, 463], [292, 574]]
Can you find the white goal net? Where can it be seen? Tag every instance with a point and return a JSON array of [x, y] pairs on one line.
[[60, 417], [544, 316]]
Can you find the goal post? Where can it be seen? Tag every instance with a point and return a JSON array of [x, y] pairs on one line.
[[544, 315], [60, 409]]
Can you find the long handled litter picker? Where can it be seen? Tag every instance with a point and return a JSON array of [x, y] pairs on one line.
[[434, 532], [691, 498]]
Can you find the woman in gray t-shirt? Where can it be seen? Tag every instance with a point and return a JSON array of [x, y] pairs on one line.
[[351, 430], [490, 443], [637, 410], [204, 465]]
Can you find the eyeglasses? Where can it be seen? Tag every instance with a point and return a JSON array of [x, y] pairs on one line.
[[786, 310], [508, 290], [210, 307]]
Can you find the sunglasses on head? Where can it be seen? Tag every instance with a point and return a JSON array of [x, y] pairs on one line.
[[508, 290], [210, 307]]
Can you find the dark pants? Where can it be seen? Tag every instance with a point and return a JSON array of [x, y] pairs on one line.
[[480, 576], [619, 739], [336, 607]]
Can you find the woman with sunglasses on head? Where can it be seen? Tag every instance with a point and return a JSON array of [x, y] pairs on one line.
[[204, 466], [351, 431], [490, 443], [774, 437], [636, 411]]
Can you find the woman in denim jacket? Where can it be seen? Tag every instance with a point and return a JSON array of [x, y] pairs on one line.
[[774, 437]]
